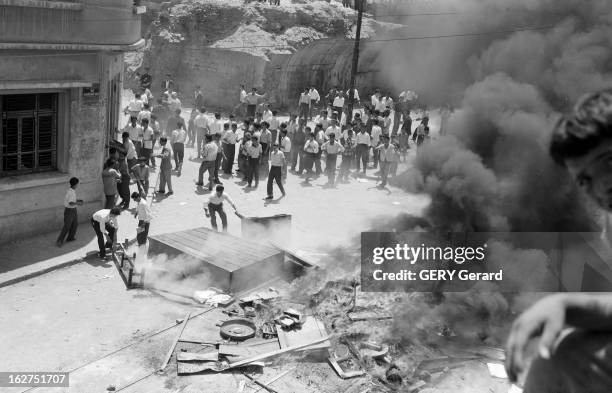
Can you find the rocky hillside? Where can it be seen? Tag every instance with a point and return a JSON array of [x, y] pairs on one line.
[[220, 44]]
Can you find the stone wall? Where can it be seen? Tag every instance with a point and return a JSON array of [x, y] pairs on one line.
[[279, 50]]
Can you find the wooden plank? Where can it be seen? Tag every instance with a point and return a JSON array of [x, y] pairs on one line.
[[178, 336], [199, 366], [277, 352], [368, 316], [192, 356], [235, 352]]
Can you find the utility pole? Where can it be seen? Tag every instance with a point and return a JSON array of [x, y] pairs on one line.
[[359, 5]]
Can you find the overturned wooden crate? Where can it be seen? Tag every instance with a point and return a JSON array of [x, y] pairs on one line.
[[227, 262]]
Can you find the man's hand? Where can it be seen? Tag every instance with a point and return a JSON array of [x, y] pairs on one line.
[[546, 319]]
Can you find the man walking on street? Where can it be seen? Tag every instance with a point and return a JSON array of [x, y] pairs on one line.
[[147, 141], [277, 161], [297, 157], [219, 159], [71, 221], [165, 168], [179, 137], [215, 205], [202, 128], [285, 148], [332, 148], [104, 222], [209, 152], [362, 149]]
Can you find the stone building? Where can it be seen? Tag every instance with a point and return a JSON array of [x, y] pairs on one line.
[[61, 70]]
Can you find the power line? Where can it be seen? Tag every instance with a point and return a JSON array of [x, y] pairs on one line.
[[464, 35]]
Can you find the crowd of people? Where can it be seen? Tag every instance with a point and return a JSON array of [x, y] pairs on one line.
[[254, 143]]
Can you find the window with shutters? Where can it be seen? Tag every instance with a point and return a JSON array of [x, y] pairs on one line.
[[28, 133]]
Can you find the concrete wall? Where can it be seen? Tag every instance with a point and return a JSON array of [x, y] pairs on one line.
[[80, 22], [32, 204]]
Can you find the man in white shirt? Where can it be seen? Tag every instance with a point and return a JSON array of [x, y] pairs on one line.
[[135, 132], [348, 95], [202, 124], [252, 99], [254, 152], [322, 119], [375, 141], [332, 148], [274, 126], [143, 213], [285, 148], [385, 154], [134, 106], [338, 106], [304, 104], [217, 125], [104, 222], [209, 153], [375, 99], [277, 162], [130, 156], [362, 148], [179, 137], [174, 103], [311, 148], [215, 205], [148, 136], [314, 100], [228, 142], [333, 129], [145, 113], [71, 221]]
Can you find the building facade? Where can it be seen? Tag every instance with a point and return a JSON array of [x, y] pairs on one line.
[[61, 69]]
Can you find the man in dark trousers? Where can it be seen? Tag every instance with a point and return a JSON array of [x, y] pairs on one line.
[[229, 140], [71, 221], [143, 213], [209, 153], [215, 205], [277, 161], [165, 167], [331, 148], [104, 222], [297, 148]]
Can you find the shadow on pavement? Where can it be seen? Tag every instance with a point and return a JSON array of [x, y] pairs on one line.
[[41, 248]]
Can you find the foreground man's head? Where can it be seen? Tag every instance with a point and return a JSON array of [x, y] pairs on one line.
[[582, 142]]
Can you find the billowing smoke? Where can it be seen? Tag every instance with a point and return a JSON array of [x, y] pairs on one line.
[[493, 172]]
